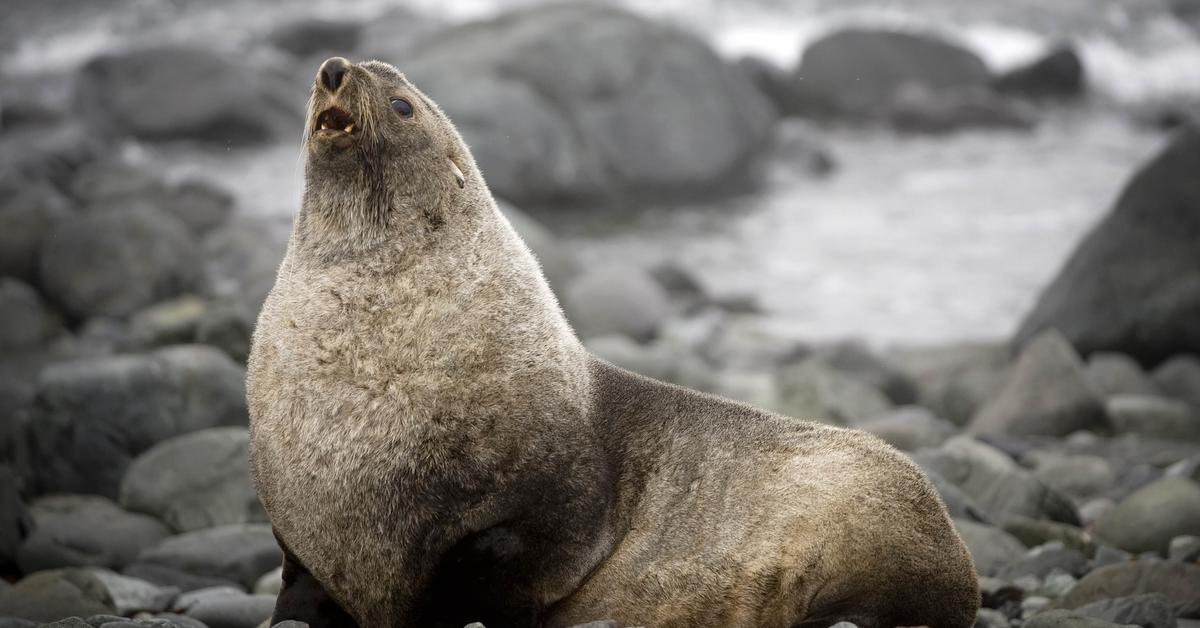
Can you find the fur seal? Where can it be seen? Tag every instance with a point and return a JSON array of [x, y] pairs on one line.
[[434, 446]]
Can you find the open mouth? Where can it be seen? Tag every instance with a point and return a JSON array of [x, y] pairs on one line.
[[335, 121]]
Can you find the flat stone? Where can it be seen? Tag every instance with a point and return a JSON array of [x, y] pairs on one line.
[[85, 530], [1148, 519]]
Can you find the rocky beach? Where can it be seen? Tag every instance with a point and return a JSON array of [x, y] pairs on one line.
[[973, 232]]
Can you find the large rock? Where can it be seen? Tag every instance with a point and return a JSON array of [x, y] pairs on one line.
[[233, 611], [1067, 619], [995, 482], [1179, 582], [49, 596], [25, 323], [1147, 520], [1046, 394], [28, 213], [1075, 476], [597, 103], [240, 553], [991, 548], [1057, 74], [1117, 374], [181, 92], [131, 595], [956, 380], [1179, 377], [856, 72], [1133, 283], [1154, 416], [93, 416], [195, 481], [242, 258], [1148, 610], [113, 263], [85, 530], [617, 299]]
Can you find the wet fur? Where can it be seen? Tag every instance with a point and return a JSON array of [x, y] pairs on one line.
[[434, 446]]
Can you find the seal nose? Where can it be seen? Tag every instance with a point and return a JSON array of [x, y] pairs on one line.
[[332, 73]]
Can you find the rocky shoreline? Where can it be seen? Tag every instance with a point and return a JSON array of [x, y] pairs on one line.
[[1069, 458]]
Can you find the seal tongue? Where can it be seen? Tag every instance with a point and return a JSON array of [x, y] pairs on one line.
[[335, 118]]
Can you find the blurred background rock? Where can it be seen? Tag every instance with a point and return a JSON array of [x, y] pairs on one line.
[[971, 228]]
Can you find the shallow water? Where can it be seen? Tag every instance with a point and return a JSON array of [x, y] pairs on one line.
[[913, 240]]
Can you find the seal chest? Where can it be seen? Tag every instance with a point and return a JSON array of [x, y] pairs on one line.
[[434, 446]]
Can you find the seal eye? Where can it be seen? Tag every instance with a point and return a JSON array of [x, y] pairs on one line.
[[402, 107]]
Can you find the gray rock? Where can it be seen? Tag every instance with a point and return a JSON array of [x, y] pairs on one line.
[[1148, 519], [1057, 74], [240, 611], [995, 482], [1184, 548], [49, 596], [662, 359], [194, 481], [1092, 510], [1045, 559], [618, 299], [28, 213], [1034, 532], [1118, 374], [1108, 555], [179, 621], [856, 360], [207, 594], [1186, 468], [177, 578], [310, 36], [67, 622], [25, 323], [988, 618], [916, 109], [581, 122], [1047, 394], [17, 622], [749, 343], [131, 595], [1179, 377], [199, 204], [1075, 476], [1068, 619], [1177, 581], [291, 623], [269, 583], [115, 262], [94, 415], [854, 72], [958, 503], [990, 547], [909, 428], [85, 530], [177, 92], [1149, 610], [955, 381], [1157, 417], [169, 322], [1131, 284], [809, 390], [239, 552]]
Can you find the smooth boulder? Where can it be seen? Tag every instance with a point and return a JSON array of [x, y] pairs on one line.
[[1147, 520], [113, 263], [85, 530], [1118, 374], [93, 416], [1057, 74], [195, 481], [597, 103], [1179, 582], [856, 72], [239, 553], [25, 322], [49, 596], [1047, 394], [1133, 283], [182, 92]]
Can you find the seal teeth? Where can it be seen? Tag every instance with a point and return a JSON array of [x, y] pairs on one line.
[[349, 128], [324, 126]]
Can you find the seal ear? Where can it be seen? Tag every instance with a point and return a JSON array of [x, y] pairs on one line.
[[458, 174]]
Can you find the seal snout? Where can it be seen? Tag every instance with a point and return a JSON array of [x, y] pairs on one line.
[[332, 73], [335, 120]]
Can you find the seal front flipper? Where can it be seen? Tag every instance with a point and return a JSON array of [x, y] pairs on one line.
[[302, 598]]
